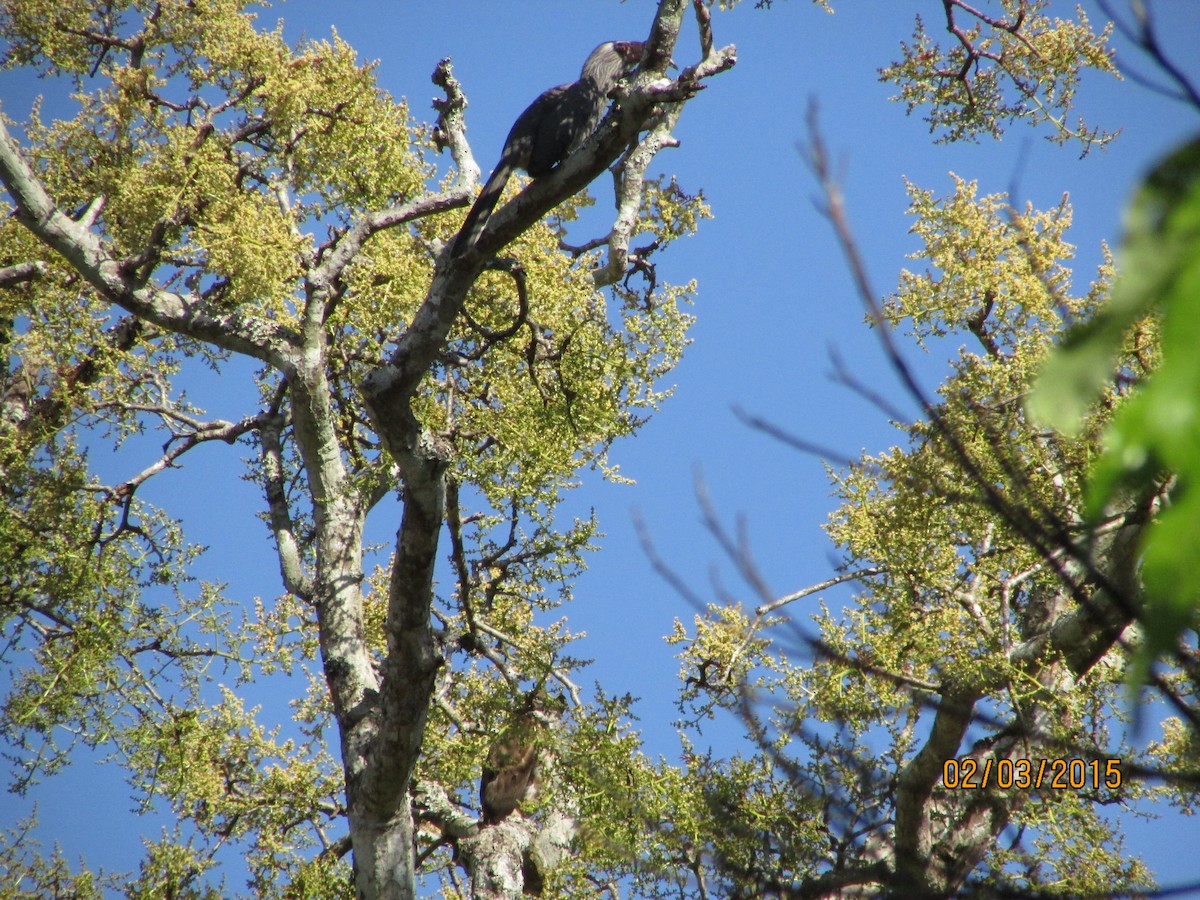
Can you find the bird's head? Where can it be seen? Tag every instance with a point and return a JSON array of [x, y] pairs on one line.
[[629, 51], [611, 60]]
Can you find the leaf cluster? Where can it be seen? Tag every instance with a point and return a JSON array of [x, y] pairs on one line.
[[1154, 438], [1018, 65], [955, 596]]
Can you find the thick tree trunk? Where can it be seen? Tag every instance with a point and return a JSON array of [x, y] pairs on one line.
[[942, 834]]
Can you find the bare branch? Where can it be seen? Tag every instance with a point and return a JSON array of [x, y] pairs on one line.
[[178, 445], [21, 272], [856, 575], [801, 444], [451, 129], [1145, 37]]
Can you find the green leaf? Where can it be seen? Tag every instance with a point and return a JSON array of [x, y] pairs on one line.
[[1172, 582], [1158, 431], [1161, 246], [1074, 375]]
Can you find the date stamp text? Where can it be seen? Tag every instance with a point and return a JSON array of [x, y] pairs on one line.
[[970, 774]]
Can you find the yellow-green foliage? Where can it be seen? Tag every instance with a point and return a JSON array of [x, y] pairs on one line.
[[236, 157], [952, 587], [1020, 64], [234, 185], [1153, 440], [954, 575], [530, 407], [227, 774], [984, 254]]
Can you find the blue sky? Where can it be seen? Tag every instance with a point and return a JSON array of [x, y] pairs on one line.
[[774, 298]]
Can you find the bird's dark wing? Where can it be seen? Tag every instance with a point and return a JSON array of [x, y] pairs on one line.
[[561, 125]]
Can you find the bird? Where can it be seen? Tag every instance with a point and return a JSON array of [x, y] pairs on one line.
[[510, 774], [507, 778], [553, 126]]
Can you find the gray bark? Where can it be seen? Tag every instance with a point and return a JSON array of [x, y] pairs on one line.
[[381, 715]]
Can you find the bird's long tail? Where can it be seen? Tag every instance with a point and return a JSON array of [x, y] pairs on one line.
[[481, 209]]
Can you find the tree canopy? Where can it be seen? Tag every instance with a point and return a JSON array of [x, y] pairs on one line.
[[220, 196]]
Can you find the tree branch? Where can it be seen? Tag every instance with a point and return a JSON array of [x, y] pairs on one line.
[[291, 565], [82, 249], [21, 272]]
